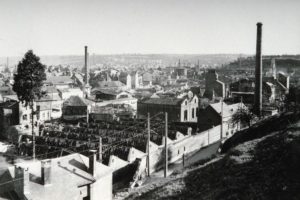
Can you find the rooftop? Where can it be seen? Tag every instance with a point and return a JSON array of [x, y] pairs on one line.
[[163, 101], [75, 101], [105, 91], [56, 80], [71, 169], [228, 110], [107, 84]]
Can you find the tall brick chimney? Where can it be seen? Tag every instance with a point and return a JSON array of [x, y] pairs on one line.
[[258, 72], [46, 172], [92, 162], [86, 65]]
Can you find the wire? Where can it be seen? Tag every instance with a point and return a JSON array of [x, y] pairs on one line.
[[10, 181]]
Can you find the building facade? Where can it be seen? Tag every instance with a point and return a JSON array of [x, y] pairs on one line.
[[179, 109]]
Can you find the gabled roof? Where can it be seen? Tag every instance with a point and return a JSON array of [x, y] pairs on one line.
[[79, 77], [64, 90], [228, 110], [49, 97]]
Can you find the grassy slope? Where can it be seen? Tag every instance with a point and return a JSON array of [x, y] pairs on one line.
[[267, 168]]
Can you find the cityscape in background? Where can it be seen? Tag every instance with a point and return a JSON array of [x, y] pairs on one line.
[[96, 126]]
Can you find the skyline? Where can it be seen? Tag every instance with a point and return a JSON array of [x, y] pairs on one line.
[[148, 27]]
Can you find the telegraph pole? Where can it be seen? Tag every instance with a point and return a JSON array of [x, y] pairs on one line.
[[87, 116], [148, 146], [100, 149], [7, 62], [166, 145], [221, 119], [32, 130]]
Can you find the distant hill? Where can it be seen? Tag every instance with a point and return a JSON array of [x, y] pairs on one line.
[[282, 62], [164, 59]]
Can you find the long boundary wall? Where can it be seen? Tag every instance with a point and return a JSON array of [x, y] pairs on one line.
[[176, 148]]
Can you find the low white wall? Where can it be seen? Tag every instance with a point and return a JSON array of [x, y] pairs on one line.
[[176, 149]]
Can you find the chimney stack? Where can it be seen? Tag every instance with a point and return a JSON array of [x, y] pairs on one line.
[[22, 181], [86, 64], [273, 65], [258, 72], [46, 172], [92, 162]]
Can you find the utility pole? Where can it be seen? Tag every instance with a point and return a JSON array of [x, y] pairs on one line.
[[221, 119], [100, 149], [32, 130], [87, 116], [148, 146], [166, 145]]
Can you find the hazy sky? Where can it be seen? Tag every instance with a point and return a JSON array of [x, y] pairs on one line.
[[63, 27]]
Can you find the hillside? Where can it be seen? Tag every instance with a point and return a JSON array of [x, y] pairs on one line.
[[125, 59], [282, 62], [263, 168]]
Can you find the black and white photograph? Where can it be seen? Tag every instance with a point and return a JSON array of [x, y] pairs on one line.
[[149, 99]]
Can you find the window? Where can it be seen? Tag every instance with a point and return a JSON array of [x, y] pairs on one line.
[[185, 102], [178, 151], [185, 115], [193, 112], [24, 117]]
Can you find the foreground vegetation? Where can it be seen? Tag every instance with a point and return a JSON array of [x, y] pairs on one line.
[[263, 168]]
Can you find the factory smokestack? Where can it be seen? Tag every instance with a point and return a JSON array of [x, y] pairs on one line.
[[258, 72], [86, 65]]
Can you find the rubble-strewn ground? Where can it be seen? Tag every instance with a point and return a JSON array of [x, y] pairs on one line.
[[264, 168]]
